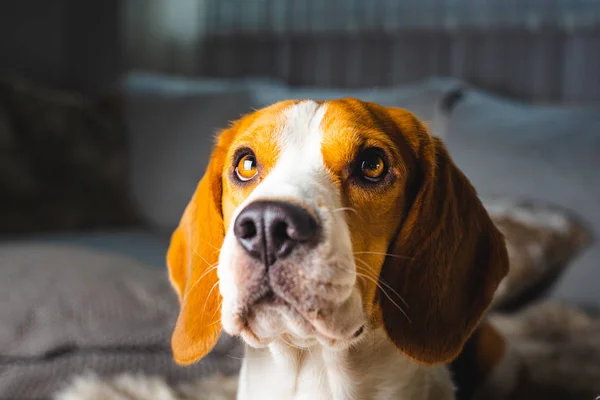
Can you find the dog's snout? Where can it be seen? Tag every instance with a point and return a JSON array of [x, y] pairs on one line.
[[269, 230]]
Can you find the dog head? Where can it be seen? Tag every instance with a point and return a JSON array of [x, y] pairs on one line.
[[317, 221]]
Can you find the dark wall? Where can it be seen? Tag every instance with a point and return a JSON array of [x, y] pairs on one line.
[[70, 44]]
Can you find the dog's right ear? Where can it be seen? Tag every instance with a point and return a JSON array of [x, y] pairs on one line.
[[447, 259], [192, 262]]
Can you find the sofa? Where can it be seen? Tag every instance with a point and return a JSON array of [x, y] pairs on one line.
[[85, 286]]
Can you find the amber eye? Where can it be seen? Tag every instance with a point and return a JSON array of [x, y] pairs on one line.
[[246, 168], [371, 165]]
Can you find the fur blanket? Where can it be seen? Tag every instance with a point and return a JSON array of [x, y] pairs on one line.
[[560, 345]]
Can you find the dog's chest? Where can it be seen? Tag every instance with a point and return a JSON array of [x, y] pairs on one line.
[[285, 373], [269, 374]]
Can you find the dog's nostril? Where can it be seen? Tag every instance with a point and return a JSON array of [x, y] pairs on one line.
[[279, 242], [280, 230], [302, 229], [247, 230]]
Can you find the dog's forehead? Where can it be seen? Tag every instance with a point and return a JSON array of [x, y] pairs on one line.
[[338, 124], [312, 134]]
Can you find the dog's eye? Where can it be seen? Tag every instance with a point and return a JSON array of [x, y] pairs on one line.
[[371, 165], [246, 168]]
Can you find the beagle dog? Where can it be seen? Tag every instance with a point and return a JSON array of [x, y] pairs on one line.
[[341, 243]]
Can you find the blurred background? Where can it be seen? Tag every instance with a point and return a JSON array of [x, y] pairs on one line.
[[108, 111]]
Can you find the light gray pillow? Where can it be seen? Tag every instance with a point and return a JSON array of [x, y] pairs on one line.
[[549, 154], [420, 97], [172, 126]]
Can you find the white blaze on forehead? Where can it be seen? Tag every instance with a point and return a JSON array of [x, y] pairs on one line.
[[300, 168], [301, 135]]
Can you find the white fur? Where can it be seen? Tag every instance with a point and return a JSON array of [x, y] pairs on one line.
[[374, 369]]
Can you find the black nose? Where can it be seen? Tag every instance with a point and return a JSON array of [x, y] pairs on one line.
[[269, 230]]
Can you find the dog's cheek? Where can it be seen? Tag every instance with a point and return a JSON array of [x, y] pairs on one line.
[[227, 319], [225, 270]]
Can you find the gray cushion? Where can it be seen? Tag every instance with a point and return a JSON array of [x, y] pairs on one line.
[[65, 310], [172, 132]]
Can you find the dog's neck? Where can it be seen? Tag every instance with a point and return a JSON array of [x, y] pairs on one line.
[[373, 369]]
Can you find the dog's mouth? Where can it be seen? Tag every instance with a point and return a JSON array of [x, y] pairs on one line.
[[268, 315]]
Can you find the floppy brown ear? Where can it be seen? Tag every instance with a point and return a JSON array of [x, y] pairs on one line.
[[451, 257], [192, 258]]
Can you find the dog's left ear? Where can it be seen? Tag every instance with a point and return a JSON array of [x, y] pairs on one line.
[[449, 256], [192, 261]]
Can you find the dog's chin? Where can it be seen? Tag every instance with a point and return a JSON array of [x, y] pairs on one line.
[[273, 319]]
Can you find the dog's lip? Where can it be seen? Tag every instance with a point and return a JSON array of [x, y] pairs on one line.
[[356, 334], [248, 331], [325, 338], [270, 297]]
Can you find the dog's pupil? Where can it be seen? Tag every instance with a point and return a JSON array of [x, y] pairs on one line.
[[370, 164]]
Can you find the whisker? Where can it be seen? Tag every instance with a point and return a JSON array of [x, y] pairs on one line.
[[383, 282], [247, 358], [343, 269], [200, 278], [383, 254], [211, 245], [345, 209], [217, 309], [377, 283], [239, 337], [218, 249], [214, 322], [242, 358], [202, 258], [206, 301], [388, 296], [373, 278], [208, 270], [291, 344]]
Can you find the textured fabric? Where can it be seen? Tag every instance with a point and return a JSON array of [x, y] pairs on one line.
[[541, 241], [560, 345], [64, 310]]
